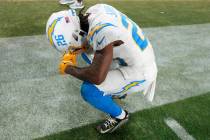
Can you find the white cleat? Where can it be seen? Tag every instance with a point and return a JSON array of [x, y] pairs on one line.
[[77, 5], [66, 1]]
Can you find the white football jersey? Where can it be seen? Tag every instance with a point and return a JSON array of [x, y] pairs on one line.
[[107, 24]]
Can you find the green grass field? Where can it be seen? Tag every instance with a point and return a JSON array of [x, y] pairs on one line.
[[29, 18], [193, 114]]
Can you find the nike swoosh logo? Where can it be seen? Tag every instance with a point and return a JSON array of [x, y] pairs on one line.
[[99, 42]]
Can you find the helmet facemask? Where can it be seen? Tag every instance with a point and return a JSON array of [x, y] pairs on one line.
[[78, 38]]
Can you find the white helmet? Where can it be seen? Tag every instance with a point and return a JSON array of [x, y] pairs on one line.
[[63, 30]]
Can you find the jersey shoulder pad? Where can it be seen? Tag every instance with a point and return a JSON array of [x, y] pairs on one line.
[[103, 34]]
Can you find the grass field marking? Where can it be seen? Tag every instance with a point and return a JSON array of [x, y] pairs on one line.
[[178, 129]]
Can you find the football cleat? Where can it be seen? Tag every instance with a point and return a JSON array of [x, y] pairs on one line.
[[77, 5], [66, 1], [111, 124]]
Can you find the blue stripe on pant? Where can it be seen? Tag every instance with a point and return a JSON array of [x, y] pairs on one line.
[[94, 96]]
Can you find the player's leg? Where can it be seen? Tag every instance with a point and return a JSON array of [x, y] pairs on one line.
[[131, 81], [97, 98], [117, 84], [100, 96]]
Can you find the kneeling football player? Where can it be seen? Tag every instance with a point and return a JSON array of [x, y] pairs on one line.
[[123, 60]]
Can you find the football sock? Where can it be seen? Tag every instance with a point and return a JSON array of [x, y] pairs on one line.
[[122, 115]]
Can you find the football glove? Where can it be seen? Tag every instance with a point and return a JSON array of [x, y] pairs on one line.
[[68, 59]]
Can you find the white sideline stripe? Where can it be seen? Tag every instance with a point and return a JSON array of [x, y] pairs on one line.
[[178, 129]]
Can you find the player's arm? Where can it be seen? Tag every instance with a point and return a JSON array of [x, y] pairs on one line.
[[97, 71]]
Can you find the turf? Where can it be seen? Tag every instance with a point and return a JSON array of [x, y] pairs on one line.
[[29, 18], [191, 113]]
